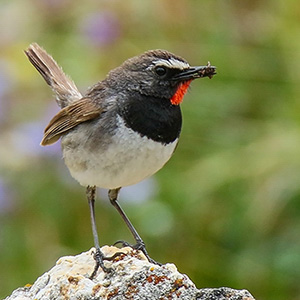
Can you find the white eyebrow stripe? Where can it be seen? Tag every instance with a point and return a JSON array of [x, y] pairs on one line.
[[172, 63]]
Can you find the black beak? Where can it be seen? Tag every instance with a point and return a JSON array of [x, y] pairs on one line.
[[196, 72]]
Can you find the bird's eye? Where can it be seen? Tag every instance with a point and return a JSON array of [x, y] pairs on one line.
[[161, 71]]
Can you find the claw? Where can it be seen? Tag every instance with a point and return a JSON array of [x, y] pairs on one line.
[[140, 246], [99, 258], [123, 243]]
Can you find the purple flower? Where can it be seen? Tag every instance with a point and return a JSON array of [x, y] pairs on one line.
[[101, 29]]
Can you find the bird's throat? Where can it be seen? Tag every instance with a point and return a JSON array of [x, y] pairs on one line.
[[181, 90]]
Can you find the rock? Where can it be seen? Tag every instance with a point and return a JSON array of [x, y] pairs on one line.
[[131, 277]]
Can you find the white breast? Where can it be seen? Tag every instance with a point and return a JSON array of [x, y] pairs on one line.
[[128, 159]]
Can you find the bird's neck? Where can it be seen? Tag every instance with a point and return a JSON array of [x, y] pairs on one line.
[[181, 90], [153, 117]]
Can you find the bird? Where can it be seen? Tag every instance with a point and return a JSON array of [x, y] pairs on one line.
[[123, 129]]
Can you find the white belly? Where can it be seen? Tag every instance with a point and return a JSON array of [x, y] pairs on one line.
[[127, 159]]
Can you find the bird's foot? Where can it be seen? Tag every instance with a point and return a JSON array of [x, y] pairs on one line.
[[99, 258], [140, 245]]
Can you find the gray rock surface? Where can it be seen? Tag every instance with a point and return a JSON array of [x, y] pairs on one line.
[[132, 277]]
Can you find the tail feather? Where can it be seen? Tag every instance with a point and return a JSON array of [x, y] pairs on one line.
[[64, 88]]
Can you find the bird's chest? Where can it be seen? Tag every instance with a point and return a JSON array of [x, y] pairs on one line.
[[137, 157], [155, 118], [125, 159]]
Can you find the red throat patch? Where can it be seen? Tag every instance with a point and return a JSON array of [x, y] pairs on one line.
[[181, 90]]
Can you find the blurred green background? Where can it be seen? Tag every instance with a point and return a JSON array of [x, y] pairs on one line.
[[226, 208]]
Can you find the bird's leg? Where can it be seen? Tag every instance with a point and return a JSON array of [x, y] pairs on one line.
[[140, 245], [91, 193], [98, 256]]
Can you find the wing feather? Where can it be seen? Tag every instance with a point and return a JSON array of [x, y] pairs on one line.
[[69, 117]]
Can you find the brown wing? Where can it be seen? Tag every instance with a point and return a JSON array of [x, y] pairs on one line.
[[78, 112]]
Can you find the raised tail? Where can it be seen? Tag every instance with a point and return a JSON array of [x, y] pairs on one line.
[[64, 88]]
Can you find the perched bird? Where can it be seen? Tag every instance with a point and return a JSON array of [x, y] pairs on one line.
[[124, 129]]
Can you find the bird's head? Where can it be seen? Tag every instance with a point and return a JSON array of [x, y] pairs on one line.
[[158, 73]]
